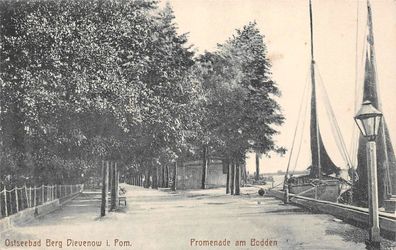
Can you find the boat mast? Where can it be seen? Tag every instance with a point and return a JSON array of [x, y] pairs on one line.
[[370, 38], [314, 117]]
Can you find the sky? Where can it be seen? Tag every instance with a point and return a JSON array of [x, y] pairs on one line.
[[339, 40]]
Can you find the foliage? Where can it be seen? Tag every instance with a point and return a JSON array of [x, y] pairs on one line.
[[86, 81], [240, 107]]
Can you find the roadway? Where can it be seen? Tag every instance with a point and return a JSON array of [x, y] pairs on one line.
[[199, 219]]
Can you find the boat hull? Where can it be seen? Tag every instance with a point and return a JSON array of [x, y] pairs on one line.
[[326, 190]]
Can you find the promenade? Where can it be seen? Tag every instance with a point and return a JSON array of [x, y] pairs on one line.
[[200, 219]]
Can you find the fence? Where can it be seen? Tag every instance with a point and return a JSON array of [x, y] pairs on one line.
[[19, 198]]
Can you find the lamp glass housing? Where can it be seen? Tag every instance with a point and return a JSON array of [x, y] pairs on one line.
[[368, 120]]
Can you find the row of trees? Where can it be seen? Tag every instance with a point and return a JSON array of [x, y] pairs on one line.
[[86, 81]]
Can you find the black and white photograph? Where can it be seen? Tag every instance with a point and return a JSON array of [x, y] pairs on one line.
[[197, 124]]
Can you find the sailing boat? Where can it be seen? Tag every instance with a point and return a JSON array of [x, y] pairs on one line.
[[386, 162], [323, 181]]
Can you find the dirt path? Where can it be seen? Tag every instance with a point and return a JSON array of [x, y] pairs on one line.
[[189, 220]]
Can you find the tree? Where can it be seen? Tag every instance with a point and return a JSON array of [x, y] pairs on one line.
[[240, 98], [257, 166], [83, 82], [69, 64]]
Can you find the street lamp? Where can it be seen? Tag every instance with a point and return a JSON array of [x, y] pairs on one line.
[[368, 120]]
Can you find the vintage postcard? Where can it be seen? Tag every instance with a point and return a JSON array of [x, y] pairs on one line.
[[197, 124]]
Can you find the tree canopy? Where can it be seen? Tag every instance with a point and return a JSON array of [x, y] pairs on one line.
[[83, 81]]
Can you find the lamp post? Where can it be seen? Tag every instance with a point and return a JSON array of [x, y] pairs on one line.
[[368, 120]]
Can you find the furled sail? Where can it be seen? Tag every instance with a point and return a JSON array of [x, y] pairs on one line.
[[321, 164], [318, 150], [386, 162]]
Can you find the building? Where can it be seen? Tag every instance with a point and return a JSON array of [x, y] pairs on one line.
[[189, 175]]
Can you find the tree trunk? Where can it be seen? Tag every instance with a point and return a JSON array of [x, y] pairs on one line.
[[228, 178], [204, 166], [155, 177], [163, 176], [257, 166], [105, 182], [147, 178], [244, 175], [116, 184], [174, 177], [158, 171], [110, 187], [232, 177], [237, 179], [113, 186], [167, 176]]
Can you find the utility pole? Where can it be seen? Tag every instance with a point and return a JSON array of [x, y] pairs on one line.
[[373, 193], [368, 120]]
